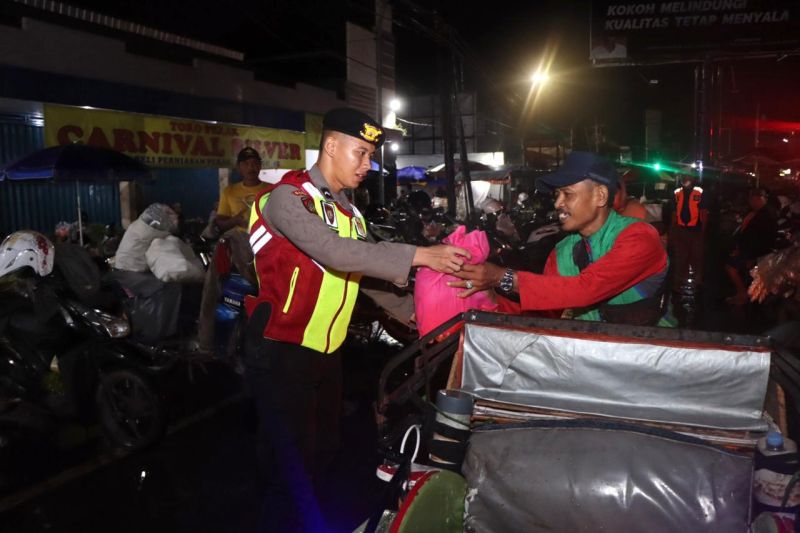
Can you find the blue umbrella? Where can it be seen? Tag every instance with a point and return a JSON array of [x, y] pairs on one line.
[[75, 162], [411, 173]]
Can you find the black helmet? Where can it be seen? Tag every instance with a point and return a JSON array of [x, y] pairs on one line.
[[419, 200]]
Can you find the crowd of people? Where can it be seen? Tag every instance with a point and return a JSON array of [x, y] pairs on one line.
[[309, 240], [306, 247]]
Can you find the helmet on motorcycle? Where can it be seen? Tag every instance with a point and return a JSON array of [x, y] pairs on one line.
[[161, 217], [490, 206], [26, 249], [419, 200]]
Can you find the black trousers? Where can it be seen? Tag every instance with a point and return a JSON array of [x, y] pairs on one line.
[[297, 393], [687, 250]]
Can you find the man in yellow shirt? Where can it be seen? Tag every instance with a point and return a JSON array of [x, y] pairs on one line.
[[237, 199], [232, 218]]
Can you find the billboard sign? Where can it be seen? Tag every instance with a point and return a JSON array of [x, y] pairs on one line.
[[636, 32]]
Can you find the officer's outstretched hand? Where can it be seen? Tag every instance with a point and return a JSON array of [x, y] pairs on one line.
[[441, 258]]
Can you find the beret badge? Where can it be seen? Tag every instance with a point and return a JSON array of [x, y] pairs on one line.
[[370, 133]]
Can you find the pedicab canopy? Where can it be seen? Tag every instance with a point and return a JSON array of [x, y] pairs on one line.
[[601, 427]]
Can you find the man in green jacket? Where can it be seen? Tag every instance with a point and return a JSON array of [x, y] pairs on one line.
[[608, 268]]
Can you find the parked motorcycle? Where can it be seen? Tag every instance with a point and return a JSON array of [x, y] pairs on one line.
[[62, 360]]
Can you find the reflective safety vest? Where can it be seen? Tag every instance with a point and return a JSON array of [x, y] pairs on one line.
[[695, 195], [310, 304]]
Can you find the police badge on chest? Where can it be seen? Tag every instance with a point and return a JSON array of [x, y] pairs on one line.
[[329, 215], [359, 228]]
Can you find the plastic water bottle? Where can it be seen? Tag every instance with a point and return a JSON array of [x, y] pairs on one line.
[[775, 463], [451, 429]]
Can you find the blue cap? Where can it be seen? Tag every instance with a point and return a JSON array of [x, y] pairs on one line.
[[580, 166], [774, 440]]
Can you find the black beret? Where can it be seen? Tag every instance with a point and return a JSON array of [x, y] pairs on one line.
[[248, 152], [354, 123]]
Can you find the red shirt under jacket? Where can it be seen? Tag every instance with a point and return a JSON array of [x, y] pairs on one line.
[[636, 255]]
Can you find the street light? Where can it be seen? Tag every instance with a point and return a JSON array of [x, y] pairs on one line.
[[539, 77], [389, 121]]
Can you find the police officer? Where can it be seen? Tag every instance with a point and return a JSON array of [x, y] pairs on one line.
[[311, 249], [686, 235]]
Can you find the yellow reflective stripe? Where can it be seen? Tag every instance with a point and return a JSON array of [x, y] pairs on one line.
[[292, 284], [339, 329], [254, 212], [327, 327], [331, 292]]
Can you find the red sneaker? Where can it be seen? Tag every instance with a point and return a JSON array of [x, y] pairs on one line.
[[386, 472]]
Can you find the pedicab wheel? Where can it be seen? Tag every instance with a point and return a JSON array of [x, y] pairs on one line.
[[130, 410]]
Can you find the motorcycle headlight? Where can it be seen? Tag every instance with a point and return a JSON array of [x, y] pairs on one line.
[[114, 326]]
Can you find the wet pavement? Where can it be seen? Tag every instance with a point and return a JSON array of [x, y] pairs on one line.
[[202, 476]]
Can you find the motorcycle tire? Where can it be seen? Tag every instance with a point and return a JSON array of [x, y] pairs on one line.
[[130, 410]]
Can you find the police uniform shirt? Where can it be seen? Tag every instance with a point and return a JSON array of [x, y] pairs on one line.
[[287, 216]]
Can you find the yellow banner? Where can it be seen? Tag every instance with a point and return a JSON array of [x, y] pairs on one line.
[[162, 142], [313, 130]]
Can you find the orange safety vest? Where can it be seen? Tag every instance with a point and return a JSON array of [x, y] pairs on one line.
[[695, 195], [311, 305]]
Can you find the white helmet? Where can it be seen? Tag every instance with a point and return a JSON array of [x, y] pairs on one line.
[[26, 248]]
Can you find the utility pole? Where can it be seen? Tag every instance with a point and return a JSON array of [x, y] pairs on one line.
[[466, 182], [379, 13], [445, 101], [755, 155], [702, 111]]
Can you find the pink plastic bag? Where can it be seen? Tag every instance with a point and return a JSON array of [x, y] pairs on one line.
[[435, 302]]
